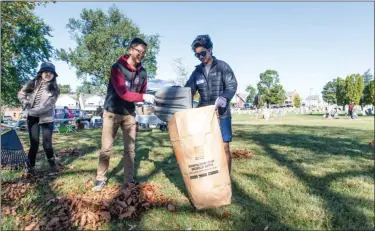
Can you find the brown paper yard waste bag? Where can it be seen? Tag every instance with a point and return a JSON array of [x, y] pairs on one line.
[[198, 145]]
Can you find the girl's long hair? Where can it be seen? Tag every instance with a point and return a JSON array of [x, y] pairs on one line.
[[52, 85]]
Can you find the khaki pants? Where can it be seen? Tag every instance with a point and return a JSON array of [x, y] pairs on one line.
[[111, 124]]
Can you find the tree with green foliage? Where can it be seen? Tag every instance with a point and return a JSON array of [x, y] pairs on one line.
[[350, 89], [101, 39], [367, 77], [65, 89], [270, 89], [369, 93], [90, 88], [297, 101], [24, 45], [258, 101], [329, 92], [340, 92], [359, 86], [251, 93], [353, 88]]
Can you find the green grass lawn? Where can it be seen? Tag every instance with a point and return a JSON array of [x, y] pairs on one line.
[[308, 173]]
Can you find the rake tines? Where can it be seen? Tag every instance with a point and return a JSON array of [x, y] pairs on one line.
[[12, 153]]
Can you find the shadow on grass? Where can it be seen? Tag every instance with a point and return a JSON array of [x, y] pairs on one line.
[[321, 142], [169, 167], [344, 210]]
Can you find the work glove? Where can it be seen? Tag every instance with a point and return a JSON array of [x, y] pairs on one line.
[[149, 98], [221, 102]]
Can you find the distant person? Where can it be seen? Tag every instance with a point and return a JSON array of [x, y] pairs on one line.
[[99, 112], [351, 108], [38, 98], [66, 112], [216, 84]]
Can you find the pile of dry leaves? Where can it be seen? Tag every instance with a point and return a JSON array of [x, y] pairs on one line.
[[15, 191], [238, 153], [91, 210]]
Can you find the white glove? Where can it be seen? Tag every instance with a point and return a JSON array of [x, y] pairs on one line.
[[221, 102], [149, 98]]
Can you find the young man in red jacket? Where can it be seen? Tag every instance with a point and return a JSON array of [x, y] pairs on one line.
[[351, 108], [127, 85]]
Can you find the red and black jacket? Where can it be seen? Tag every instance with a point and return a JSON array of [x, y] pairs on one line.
[[126, 86]]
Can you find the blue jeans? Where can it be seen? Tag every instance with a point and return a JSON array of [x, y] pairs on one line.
[[226, 129]]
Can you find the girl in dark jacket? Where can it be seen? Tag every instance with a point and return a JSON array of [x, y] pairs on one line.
[[38, 98]]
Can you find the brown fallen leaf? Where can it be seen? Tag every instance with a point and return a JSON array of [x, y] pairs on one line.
[[52, 222], [106, 215], [239, 153], [122, 204], [90, 183], [125, 215], [33, 226], [171, 207], [131, 209], [83, 220], [226, 214]]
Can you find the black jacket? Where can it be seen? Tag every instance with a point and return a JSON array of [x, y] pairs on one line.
[[220, 81], [126, 86]]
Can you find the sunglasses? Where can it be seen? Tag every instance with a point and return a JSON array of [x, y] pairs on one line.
[[203, 54], [140, 52]]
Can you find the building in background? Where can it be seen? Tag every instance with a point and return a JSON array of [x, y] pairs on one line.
[[290, 97], [67, 100]]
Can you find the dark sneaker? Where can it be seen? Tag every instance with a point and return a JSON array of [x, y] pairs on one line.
[[53, 165], [99, 184], [30, 171]]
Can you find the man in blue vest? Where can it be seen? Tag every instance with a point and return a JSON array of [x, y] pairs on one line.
[[127, 85], [216, 84]]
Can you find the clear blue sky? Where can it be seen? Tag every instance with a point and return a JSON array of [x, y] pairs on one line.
[[308, 43]]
